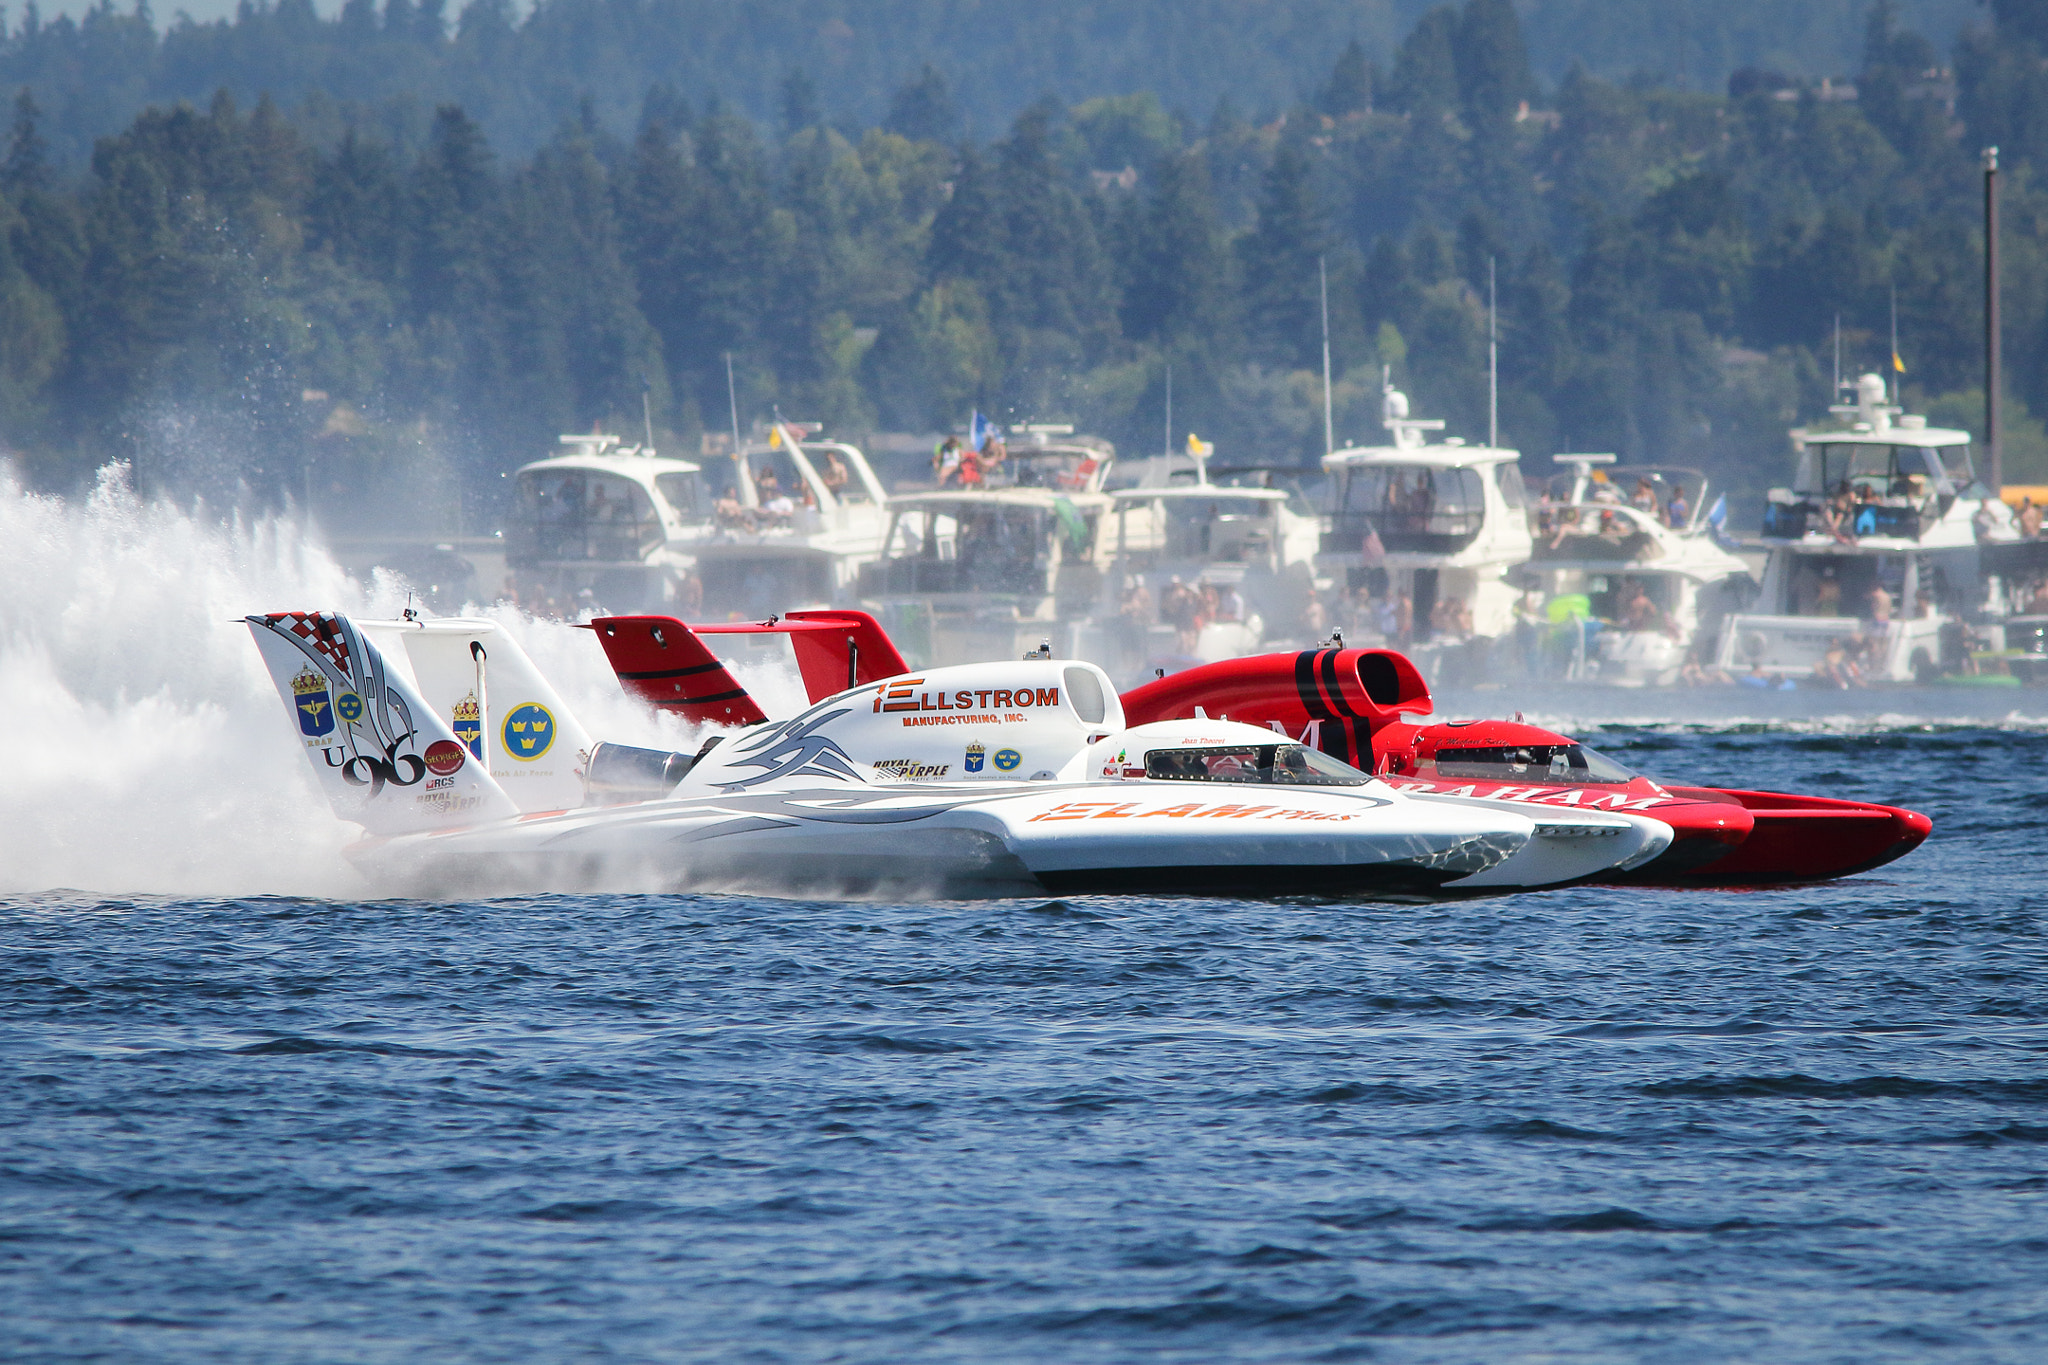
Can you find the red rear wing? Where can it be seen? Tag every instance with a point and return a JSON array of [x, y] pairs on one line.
[[665, 663], [1344, 695]]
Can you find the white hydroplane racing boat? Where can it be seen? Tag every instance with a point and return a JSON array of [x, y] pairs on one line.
[[993, 779]]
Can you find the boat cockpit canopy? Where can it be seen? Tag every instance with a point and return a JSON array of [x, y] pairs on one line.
[[1570, 763], [1425, 508], [976, 547], [1276, 764], [570, 514], [1872, 469], [1072, 467]]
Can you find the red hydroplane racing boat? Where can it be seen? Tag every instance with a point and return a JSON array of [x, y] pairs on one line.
[[1361, 705]]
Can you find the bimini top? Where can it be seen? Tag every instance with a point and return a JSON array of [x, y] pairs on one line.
[[638, 463]]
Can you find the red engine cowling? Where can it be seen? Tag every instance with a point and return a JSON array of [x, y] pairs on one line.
[[1334, 699]]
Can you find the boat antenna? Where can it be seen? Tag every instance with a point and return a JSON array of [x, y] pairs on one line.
[[1896, 364], [1993, 360], [1323, 280], [647, 412], [1492, 358], [1169, 413], [1838, 356], [732, 396]]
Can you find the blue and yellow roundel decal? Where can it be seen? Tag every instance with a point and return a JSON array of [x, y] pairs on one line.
[[1007, 759], [528, 731], [349, 706]]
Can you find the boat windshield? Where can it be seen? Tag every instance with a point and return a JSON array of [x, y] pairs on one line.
[[1294, 765], [1881, 471], [582, 514], [1218, 527], [1416, 499], [1532, 762], [681, 492]]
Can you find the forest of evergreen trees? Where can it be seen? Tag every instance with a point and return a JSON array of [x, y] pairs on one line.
[[239, 284]]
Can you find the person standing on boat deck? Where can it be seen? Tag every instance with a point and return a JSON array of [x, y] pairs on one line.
[[1678, 512], [2030, 518], [835, 473], [1827, 594], [1229, 604], [1982, 522], [946, 461], [1644, 499]]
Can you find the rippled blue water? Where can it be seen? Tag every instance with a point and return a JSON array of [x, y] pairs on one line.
[[1798, 1125]]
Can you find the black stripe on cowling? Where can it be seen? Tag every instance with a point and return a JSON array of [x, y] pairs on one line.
[[1312, 701], [671, 672], [704, 700], [1330, 682]]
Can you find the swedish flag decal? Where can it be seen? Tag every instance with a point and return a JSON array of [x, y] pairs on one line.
[[528, 731]]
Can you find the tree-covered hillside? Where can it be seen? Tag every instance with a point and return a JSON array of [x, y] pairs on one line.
[[520, 71], [306, 297]]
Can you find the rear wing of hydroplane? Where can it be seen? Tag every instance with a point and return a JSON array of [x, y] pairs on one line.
[[668, 664], [420, 725]]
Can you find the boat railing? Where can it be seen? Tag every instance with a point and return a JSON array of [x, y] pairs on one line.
[[1794, 518]]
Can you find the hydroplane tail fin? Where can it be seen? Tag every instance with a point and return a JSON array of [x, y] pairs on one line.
[[384, 757], [677, 667], [662, 662]]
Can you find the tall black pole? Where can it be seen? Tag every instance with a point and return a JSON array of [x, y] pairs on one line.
[[1993, 362]]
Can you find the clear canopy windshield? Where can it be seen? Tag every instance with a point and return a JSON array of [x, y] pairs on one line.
[[1281, 764], [1883, 471], [581, 514], [1573, 763]]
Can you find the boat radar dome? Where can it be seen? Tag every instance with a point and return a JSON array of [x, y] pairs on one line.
[[1870, 412]]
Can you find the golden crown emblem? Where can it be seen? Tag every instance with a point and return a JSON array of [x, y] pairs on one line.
[[976, 749], [308, 681], [467, 708]]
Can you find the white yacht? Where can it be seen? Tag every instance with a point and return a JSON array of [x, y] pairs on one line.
[[992, 568], [1627, 559], [1872, 552], [1437, 524], [1255, 541], [793, 527], [620, 521]]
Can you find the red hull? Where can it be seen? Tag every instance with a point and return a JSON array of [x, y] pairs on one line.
[[1807, 839]]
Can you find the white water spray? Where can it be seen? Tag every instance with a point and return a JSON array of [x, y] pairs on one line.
[[146, 749]]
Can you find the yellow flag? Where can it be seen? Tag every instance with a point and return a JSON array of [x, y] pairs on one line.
[[1897, 363], [775, 437]]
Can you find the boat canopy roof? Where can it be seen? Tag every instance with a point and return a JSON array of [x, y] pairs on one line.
[[1189, 491], [1905, 433], [1451, 454], [605, 454]]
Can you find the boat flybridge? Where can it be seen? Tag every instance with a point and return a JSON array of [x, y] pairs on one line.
[[792, 527], [990, 568], [1440, 524], [620, 521], [1873, 550], [1237, 531], [1626, 555]]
